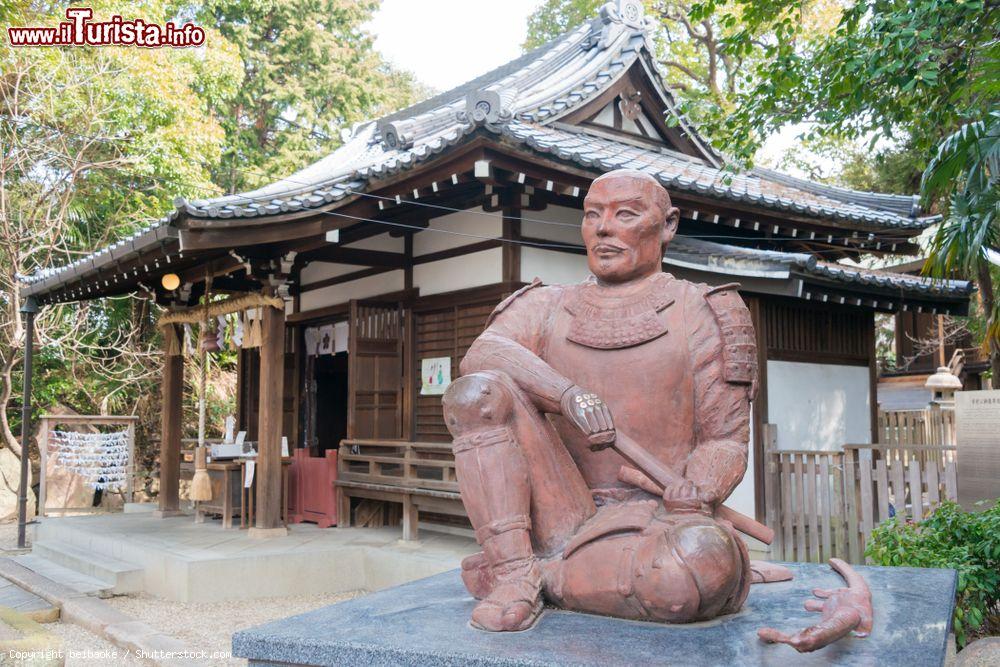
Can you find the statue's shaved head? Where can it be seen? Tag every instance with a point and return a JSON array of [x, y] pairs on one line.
[[659, 193], [627, 224]]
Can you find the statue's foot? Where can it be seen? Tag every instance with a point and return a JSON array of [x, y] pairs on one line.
[[515, 601], [477, 575]]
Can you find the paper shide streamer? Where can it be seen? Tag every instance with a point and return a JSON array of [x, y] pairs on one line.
[[101, 459]]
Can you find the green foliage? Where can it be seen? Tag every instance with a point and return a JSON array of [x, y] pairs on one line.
[[968, 542], [695, 49], [966, 170], [309, 71], [555, 17], [891, 68]]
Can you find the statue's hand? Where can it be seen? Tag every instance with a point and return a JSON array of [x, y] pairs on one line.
[[684, 496], [591, 415]]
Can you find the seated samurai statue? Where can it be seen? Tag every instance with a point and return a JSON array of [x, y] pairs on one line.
[[559, 374]]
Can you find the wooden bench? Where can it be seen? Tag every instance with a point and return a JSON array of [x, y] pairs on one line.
[[418, 475]]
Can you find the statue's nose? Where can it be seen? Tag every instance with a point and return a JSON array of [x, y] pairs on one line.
[[603, 226]]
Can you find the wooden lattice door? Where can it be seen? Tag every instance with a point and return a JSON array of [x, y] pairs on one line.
[[375, 370]]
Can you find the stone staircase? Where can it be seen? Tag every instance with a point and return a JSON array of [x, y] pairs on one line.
[[82, 570]]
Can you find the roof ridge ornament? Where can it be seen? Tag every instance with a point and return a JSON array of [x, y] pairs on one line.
[[613, 19], [396, 134], [492, 108]]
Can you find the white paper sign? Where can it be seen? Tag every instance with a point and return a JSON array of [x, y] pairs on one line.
[[284, 446], [312, 340], [435, 375], [251, 466], [240, 437], [326, 339], [340, 332]]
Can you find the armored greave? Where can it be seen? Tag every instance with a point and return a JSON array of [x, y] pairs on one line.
[[523, 494], [521, 466]]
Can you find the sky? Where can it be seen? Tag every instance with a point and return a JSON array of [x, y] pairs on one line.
[[448, 42]]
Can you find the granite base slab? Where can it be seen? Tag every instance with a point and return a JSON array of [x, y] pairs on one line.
[[426, 623]]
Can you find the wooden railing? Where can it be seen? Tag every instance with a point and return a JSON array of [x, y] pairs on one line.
[[418, 475], [411, 465], [805, 503]]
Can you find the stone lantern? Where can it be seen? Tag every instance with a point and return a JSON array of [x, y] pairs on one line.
[[943, 386]]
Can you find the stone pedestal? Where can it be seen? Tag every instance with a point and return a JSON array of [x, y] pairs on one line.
[[426, 623]]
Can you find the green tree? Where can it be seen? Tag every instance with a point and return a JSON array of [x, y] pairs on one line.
[[966, 171], [891, 69], [93, 142], [309, 71], [693, 48], [910, 72]]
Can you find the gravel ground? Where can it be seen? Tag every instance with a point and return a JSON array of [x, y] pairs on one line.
[[209, 626], [83, 649], [8, 536]]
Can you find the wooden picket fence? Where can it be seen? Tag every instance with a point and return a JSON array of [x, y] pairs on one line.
[[930, 426], [824, 504], [905, 482]]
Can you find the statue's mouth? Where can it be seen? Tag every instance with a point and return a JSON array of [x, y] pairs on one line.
[[605, 249]]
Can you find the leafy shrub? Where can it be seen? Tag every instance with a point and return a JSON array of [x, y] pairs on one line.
[[968, 542]]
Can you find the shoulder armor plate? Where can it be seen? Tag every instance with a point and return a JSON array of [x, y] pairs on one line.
[[503, 305], [739, 346]]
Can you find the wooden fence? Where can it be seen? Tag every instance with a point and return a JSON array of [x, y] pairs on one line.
[[905, 482], [824, 504], [805, 503], [930, 426]]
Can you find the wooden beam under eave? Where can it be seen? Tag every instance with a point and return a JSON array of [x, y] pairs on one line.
[[337, 254]]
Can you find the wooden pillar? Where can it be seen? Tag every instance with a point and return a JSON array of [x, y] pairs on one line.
[[170, 434], [272, 370], [511, 261]]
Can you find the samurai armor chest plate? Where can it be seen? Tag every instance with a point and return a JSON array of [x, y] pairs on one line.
[[608, 319]]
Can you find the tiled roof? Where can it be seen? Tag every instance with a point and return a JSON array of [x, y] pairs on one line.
[[523, 102], [750, 262]]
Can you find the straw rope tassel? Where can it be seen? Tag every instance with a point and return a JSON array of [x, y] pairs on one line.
[[171, 344], [201, 485]]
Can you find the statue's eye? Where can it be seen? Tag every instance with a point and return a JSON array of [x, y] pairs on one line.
[[626, 214]]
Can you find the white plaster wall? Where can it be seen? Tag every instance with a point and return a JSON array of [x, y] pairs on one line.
[[317, 271], [818, 406], [552, 266], [382, 242], [363, 288], [447, 275], [560, 233], [474, 221], [742, 497]]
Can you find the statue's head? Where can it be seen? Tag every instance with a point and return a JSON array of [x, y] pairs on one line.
[[627, 223]]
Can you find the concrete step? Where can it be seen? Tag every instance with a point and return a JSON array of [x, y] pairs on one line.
[[25, 602], [81, 583], [123, 577]]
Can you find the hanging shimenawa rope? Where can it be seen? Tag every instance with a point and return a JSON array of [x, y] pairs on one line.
[[171, 342]]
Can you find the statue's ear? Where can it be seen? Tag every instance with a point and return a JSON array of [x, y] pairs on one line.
[[670, 224]]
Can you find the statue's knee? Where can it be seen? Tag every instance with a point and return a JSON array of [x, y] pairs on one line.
[[688, 572], [476, 401]]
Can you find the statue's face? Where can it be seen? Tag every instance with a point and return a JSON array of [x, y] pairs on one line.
[[624, 228]]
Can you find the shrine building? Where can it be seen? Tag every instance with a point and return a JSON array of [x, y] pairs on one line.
[[383, 260]]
